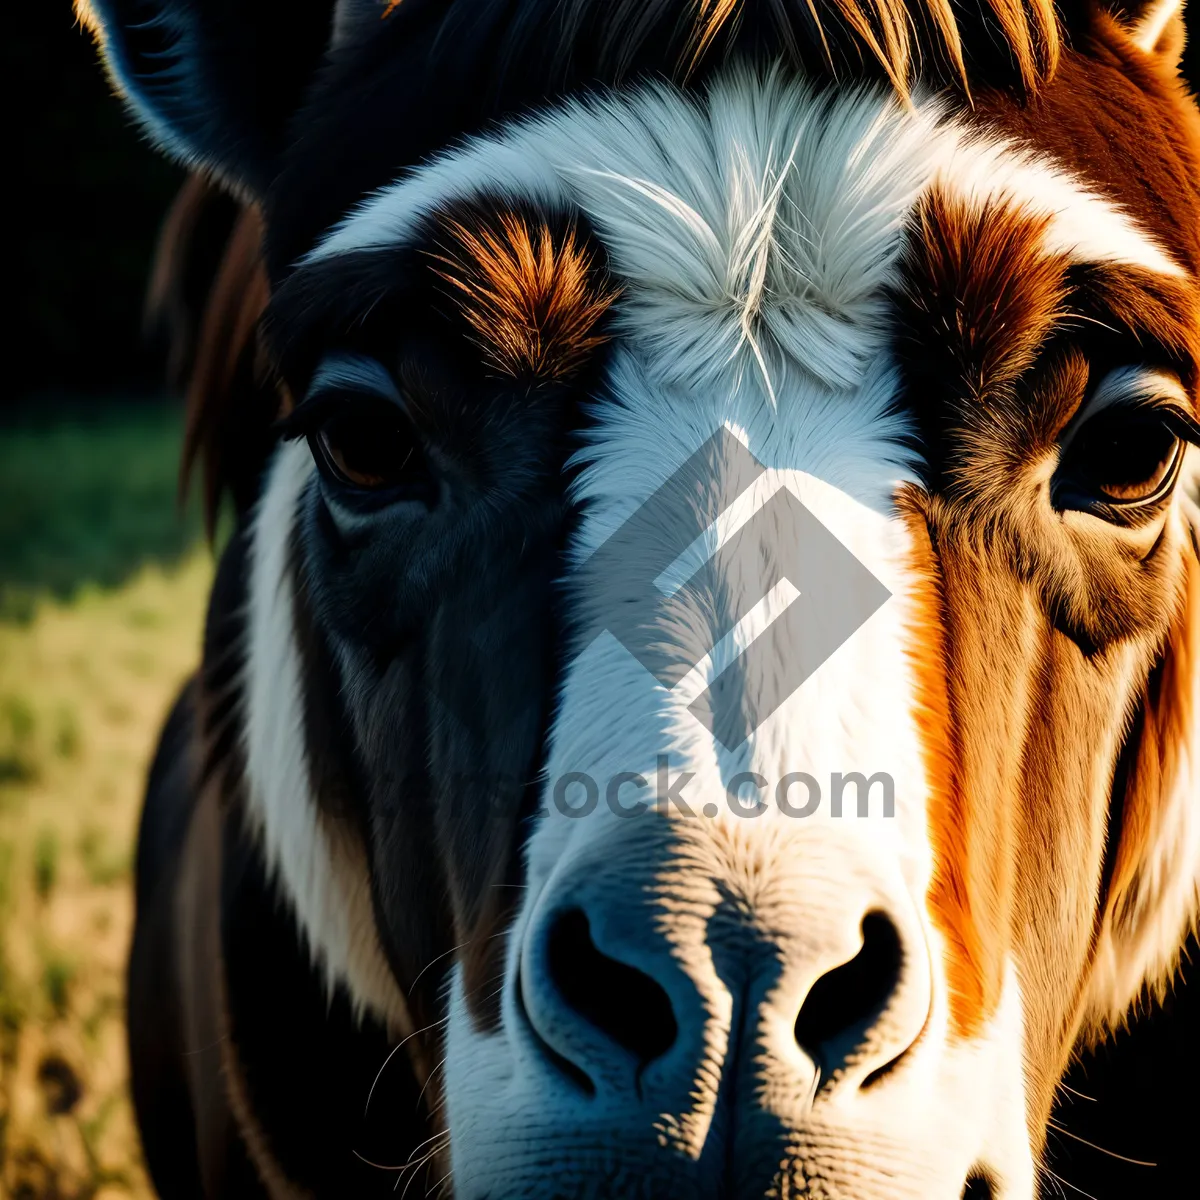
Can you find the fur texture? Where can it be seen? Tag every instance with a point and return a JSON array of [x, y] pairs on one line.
[[558, 283]]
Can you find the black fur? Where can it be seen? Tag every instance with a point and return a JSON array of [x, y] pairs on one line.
[[161, 1097], [257, 1005], [307, 1065], [430, 647], [439, 632], [400, 722]]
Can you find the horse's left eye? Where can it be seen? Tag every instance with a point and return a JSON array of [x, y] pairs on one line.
[[370, 445], [1124, 455]]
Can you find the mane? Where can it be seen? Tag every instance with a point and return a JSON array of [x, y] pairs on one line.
[[208, 290], [959, 42]]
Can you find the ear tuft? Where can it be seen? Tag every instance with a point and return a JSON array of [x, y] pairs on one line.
[[213, 82]]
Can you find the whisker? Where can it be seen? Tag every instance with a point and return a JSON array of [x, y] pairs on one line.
[[392, 1054], [441, 1183], [1094, 321], [427, 1158], [413, 1164], [377, 1166], [411, 1177], [438, 958], [441, 1135], [1137, 1162], [1068, 1183], [430, 1076]]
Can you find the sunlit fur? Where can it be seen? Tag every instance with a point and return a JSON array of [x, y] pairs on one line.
[[885, 286], [726, 298], [533, 304]]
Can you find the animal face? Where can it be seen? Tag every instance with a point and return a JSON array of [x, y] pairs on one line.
[[700, 864]]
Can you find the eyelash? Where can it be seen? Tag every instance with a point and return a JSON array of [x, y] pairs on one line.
[[308, 417]]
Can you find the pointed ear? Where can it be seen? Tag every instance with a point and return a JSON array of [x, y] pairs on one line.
[[213, 82], [1156, 27], [1153, 892]]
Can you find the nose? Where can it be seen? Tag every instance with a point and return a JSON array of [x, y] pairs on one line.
[[839, 1012], [607, 995], [626, 1006]]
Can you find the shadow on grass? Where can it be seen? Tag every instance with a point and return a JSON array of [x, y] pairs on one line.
[[87, 496]]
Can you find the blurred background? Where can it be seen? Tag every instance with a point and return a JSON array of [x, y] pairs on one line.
[[103, 582]]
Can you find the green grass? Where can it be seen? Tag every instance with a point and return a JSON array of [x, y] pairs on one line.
[[17, 726], [45, 863], [103, 864], [102, 593], [86, 499], [58, 974]]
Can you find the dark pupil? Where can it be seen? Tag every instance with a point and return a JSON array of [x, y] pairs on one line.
[[371, 445], [1125, 455]]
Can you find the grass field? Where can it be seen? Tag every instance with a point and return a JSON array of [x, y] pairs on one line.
[[102, 590]]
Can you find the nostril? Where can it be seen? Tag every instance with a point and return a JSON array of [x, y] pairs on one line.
[[616, 998], [979, 1186], [844, 1004]]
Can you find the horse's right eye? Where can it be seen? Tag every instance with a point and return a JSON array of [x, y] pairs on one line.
[[368, 444], [1121, 459], [1125, 455]]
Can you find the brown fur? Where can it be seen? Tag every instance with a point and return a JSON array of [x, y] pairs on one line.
[[190, 246], [972, 984], [211, 320], [533, 300], [1165, 729], [1034, 640], [1031, 645], [986, 288]]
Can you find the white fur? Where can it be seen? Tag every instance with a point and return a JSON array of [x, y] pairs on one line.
[[754, 233], [541, 160], [1083, 225], [321, 867]]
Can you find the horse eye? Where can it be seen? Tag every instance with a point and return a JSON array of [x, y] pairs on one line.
[[369, 445], [1124, 455]]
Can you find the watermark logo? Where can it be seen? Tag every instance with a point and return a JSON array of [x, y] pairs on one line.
[[650, 585], [748, 794], [670, 631], [667, 790]]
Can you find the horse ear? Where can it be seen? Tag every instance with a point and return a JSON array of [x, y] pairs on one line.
[[1153, 886], [1156, 27], [213, 82]]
